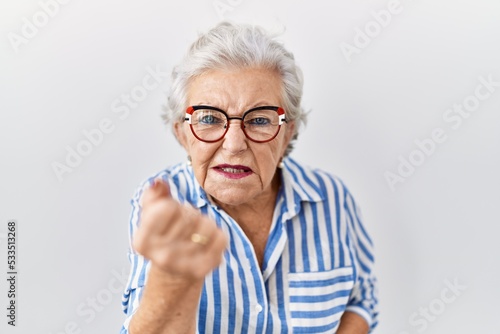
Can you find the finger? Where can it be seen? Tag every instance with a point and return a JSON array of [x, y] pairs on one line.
[[203, 233], [158, 189], [172, 220], [191, 214], [159, 216], [212, 254], [156, 221]]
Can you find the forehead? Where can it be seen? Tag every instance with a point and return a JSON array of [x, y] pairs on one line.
[[238, 89]]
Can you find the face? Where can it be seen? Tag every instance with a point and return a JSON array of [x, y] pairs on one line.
[[236, 170]]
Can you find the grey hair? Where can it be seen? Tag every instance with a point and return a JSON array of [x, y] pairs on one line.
[[235, 46]]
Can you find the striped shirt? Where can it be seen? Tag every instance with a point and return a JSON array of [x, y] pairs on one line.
[[317, 263]]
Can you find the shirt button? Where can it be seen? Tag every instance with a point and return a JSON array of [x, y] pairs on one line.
[[258, 308]]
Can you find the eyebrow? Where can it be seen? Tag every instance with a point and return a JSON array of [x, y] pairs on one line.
[[261, 103]]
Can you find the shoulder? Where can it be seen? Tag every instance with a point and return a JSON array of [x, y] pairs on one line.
[[327, 184]]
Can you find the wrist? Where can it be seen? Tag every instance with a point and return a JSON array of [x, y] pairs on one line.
[[174, 280]]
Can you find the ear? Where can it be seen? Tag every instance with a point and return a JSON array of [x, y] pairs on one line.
[[180, 134], [290, 130]]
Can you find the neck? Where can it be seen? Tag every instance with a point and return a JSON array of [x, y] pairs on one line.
[[255, 217], [264, 203]]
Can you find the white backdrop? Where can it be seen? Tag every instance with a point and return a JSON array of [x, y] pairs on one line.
[[405, 108]]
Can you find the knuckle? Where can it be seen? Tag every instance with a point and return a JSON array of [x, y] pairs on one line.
[[138, 243], [162, 260], [162, 212]]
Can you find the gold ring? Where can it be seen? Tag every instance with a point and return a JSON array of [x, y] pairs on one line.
[[199, 239]]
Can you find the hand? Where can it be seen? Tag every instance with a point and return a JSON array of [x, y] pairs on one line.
[[177, 238]]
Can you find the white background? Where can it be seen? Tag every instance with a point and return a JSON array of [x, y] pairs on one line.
[[440, 224]]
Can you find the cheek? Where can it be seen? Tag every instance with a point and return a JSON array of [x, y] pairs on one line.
[[200, 165], [268, 158], [202, 155]]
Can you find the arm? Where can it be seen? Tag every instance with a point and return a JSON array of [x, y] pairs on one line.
[[177, 265], [363, 301], [351, 323], [167, 306]]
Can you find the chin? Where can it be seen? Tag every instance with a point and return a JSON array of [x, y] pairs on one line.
[[233, 197]]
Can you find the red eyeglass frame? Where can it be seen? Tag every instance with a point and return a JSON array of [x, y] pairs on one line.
[[191, 109]]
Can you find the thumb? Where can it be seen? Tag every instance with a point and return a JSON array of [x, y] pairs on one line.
[[158, 190]]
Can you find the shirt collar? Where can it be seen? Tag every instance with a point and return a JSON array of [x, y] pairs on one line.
[[297, 187], [198, 197]]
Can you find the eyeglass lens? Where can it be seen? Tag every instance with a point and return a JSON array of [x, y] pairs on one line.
[[258, 125]]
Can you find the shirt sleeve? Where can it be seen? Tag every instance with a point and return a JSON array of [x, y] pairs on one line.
[[364, 296], [139, 266]]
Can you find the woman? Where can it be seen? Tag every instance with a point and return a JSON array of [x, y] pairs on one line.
[[242, 238]]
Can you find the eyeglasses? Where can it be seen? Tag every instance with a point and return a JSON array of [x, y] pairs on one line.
[[210, 124]]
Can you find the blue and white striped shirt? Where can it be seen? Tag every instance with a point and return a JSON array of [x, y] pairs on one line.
[[317, 263]]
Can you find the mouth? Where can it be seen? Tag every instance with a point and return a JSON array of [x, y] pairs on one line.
[[233, 170]]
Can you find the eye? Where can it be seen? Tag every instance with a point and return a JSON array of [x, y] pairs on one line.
[[259, 120], [209, 117]]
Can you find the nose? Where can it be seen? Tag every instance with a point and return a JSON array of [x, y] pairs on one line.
[[235, 140]]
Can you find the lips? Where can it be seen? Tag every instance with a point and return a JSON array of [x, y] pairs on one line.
[[233, 171]]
